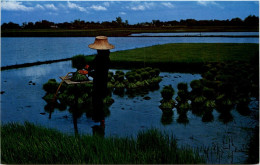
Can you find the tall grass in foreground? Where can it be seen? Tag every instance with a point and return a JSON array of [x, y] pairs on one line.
[[34, 144]]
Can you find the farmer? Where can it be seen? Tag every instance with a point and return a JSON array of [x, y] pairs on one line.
[[100, 65]]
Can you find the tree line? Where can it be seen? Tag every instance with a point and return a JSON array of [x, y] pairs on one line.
[[251, 20]]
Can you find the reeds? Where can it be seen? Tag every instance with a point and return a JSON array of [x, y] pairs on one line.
[[26, 144]]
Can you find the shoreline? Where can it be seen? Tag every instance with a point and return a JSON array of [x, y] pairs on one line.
[[229, 36], [17, 66]]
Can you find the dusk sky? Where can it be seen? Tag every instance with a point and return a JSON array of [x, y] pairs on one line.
[[133, 11]]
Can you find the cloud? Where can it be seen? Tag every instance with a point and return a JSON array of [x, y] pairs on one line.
[[122, 13], [107, 4], [39, 7], [75, 6], [98, 8], [168, 4], [51, 6], [209, 3], [15, 6], [141, 7]]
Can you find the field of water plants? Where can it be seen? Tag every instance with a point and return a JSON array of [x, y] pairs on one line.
[[229, 82]]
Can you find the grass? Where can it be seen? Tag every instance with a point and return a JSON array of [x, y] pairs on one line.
[[185, 57], [28, 144]]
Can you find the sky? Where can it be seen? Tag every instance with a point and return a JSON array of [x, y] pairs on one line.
[[133, 11]]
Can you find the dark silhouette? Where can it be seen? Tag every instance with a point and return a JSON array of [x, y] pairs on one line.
[[249, 21]]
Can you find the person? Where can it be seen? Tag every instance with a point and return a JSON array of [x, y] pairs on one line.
[[100, 66]]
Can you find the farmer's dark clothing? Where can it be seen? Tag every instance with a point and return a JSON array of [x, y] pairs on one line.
[[100, 77]]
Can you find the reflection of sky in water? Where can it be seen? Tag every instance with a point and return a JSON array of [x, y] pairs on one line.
[[26, 50], [23, 101]]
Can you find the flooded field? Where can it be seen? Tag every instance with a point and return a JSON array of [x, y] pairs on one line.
[[221, 142], [33, 49]]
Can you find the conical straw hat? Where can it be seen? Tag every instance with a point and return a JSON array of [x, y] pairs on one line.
[[101, 43]]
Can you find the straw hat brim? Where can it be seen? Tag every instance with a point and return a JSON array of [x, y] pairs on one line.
[[101, 46], [101, 43]]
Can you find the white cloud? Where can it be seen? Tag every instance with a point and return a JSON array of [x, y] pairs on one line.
[[143, 6], [139, 7], [15, 6], [122, 13], [168, 4], [75, 6], [39, 7], [98, 8], [209, 3], [51, 6], [107, 4]]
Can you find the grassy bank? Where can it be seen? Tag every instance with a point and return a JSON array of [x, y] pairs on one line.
[[183, 57], [33, 144], [120, 32]]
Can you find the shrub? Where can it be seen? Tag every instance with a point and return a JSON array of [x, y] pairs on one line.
[[167, 92], [78, 62]]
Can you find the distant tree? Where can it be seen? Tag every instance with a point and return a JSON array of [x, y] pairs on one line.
[[252, 20], [119, 21], [10, 25], [236, 21]]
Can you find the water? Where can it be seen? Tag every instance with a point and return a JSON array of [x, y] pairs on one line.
[[22, 101], [27, 50], [199, 34]]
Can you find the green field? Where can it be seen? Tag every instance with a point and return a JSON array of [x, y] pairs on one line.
[[26, 144], [183, 56]]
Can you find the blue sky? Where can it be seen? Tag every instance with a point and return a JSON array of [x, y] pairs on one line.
[[133, 11]]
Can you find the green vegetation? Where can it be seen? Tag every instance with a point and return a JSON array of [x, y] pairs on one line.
[[26, 144], [167, 103], [182, 57]]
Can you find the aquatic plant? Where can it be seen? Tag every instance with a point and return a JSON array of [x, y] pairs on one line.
[[79, 77], [166, 118], [51, 86], [108, 100], [207, 116], [78, 62], [167, 92], [182, 107], [182, 86], [167, 106], [48, 97], [183, 119], [145, 75]]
